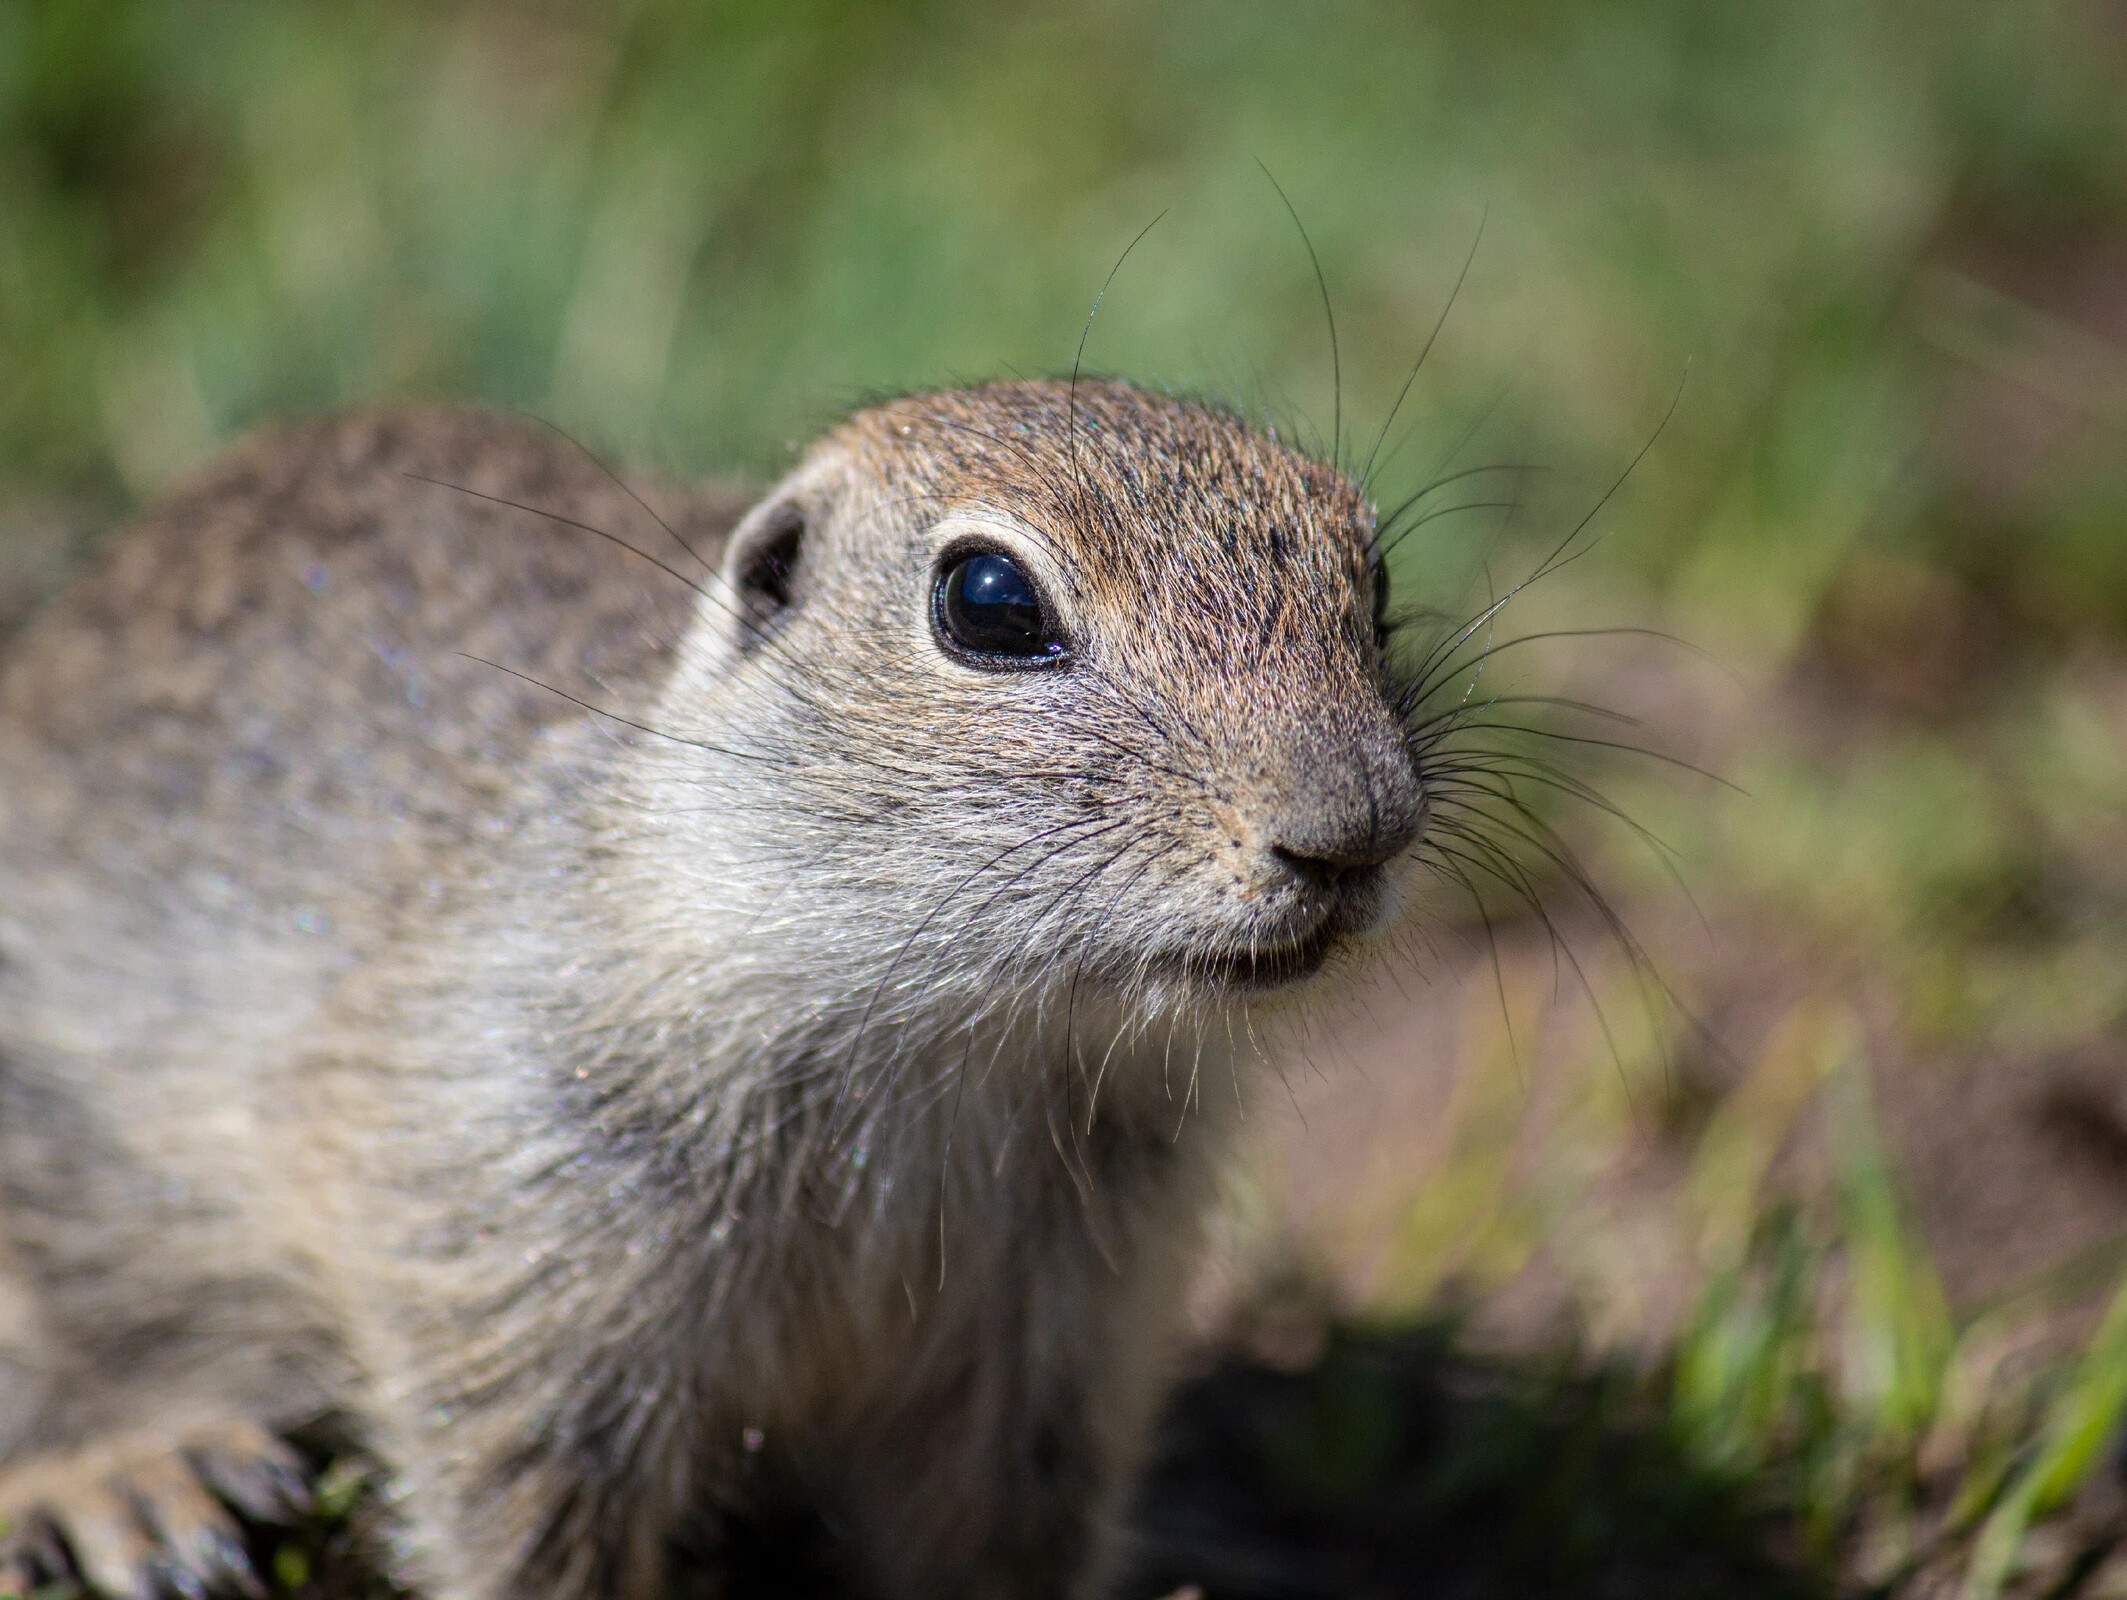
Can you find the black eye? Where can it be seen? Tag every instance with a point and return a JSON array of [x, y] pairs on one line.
[[985, 606]]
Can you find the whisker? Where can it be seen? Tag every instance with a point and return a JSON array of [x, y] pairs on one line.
[[1388, 547], [618, 481], [1366, 472], [628, 722], [665, 567], [1078, 358], [768, 638], [1336, 362], [879, 989]]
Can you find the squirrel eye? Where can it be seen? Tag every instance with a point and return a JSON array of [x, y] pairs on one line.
[[985, 606]]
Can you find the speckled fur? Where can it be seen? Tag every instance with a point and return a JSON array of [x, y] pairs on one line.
[[660, 1061]]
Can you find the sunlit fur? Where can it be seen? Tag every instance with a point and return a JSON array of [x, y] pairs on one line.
[[654, 1046]]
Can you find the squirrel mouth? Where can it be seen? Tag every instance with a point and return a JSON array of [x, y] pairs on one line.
[[1269, 966]]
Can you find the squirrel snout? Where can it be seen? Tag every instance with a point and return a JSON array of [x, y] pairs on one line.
[[1346, 819]]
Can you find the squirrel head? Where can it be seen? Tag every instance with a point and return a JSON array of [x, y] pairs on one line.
[[1029, 687]]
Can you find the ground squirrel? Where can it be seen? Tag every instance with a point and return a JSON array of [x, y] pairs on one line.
[[668, 1020]]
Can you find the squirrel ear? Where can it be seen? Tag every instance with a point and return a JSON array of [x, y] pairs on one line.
[[762, 566]]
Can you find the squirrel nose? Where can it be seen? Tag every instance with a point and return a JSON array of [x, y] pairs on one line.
[[1330, 866], [1350, 817]]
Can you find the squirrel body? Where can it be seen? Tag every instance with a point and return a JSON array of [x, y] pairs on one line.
[[689, 1030]]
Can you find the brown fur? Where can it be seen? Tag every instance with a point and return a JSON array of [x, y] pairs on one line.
[[657, 1061]]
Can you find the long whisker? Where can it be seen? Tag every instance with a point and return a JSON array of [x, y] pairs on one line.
[[618, 481], [1366, 472], [886, 978], [1336, 361], [628, 722], [1389, 545], [665, 567], [768, 638], [1078, 358]]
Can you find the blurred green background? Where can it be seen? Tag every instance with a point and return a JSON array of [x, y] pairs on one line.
[[1860, 1189]]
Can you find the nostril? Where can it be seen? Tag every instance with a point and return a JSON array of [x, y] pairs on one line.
[[1340, 853], [1340, 824], [1322, 871]]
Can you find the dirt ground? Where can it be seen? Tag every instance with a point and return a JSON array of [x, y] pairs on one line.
[[2015, 1165]]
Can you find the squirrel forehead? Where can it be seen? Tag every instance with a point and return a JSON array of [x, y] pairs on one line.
[[1131, 484]]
